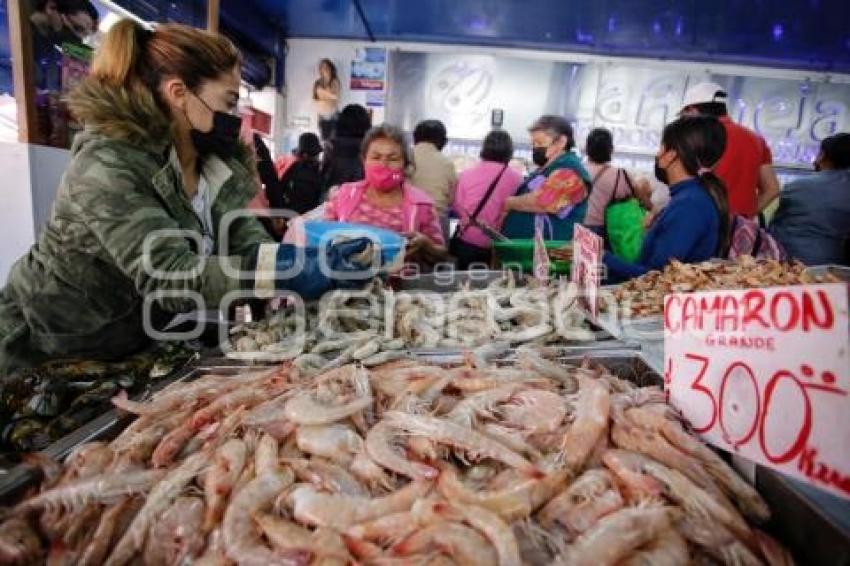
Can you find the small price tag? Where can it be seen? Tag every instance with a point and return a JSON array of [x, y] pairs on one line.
[[765, 374], [587, 257]]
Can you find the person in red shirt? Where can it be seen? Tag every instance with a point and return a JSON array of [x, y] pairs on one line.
[[746, 167]]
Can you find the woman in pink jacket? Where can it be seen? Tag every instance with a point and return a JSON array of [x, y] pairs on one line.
[[481, 193], [386, 200]]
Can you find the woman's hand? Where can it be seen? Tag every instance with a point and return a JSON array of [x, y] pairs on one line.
[[421, 247], [416, 242]]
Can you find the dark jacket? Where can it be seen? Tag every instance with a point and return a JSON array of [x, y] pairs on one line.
[[81, 289], [813, 219], [300, 189], [688, 229], [342, 162]]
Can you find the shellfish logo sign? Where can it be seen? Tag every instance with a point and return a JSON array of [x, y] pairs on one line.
[[765, 373], [586, 268]]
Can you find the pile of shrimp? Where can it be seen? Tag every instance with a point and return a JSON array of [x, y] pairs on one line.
[[532, 462]]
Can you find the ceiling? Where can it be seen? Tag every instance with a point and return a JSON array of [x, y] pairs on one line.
[[808, 34]]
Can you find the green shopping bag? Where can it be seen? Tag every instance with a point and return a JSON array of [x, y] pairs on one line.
[[624, 225]]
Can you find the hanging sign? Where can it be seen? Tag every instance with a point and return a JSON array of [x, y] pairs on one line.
[[764, 373], [587, 259]]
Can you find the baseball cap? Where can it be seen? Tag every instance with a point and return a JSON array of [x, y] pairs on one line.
[[704, 92]]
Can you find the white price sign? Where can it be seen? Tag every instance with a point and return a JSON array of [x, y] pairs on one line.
[[765, 374], [587, 257]]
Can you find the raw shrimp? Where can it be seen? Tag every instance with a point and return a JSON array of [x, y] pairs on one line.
[[177, 535], [466, 379], [589, 498], [265, 456], [534, 410], [323, 545], [627, 466], [19, 544], [227, 465], [497, 531], [694, 500], [512, 503], [337, 442], [340, 512], [214, 554], [327, 475], [243, 396], [747, 498], [106, 488], [479, 404], [386, 530], [591, 422], [616, 536], [380, 447], [446, 432], [461, 543], [511, 438], [367, 471], [531, 359], [113, 523], [172, 443], [242, 542], [717, 541], [305, 409], [86, 461], [668, 548], [159, 499]]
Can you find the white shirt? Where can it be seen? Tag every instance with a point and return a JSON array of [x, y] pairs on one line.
[[203, 208]]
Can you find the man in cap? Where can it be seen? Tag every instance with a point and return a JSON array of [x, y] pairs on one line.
[[746, 166]]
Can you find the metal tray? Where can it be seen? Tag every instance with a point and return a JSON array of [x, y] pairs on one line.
[[450, 281], [840, 271]]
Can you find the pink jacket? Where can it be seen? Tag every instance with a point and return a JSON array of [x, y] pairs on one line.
[[417, 207]]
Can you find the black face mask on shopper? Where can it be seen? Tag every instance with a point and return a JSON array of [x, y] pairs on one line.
[[660, 173], [538, 156], [221, 139]]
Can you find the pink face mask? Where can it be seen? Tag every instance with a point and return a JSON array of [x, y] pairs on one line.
[[383, 178]]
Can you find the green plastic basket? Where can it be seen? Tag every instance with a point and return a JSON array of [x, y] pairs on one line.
[[519, 253]]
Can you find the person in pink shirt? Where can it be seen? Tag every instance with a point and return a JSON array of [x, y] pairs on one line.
[[386, 200], [480, 198]]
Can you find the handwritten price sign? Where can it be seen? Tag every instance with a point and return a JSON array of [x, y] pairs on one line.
[[587, 256], [764, 373]]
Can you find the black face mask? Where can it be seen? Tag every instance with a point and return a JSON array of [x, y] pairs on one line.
[[660, 173], [538, 156], [221, 139]]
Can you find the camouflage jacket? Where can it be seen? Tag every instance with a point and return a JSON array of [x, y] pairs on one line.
[[114, 237]]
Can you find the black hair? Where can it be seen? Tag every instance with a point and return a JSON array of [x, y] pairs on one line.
[[498, 146], [431, 131], [599, 145], [70, 7], [555, 126], [309, 146], [386, 132], [353, 122], [715, 109], [836, 150], [699, 142], [331, 66]]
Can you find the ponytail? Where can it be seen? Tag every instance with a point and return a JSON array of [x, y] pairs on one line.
[[116, 58], [717, 190]]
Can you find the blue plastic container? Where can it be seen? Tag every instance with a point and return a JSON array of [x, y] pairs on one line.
[[392, 245]]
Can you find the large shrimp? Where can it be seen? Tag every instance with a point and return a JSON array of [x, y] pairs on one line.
[[265, 455], [227, 465], [340, 512], [478, 404], [511, 438], [497, 531], [717, 541], [591, 422], [104, 489], [472, 442], [380, 447], [243, 396], [694, 500], [531, 359], [337, 442], [669, 548], [86, 461], [327, 476], [589, 498], [634, 482], [461, 543], [322, 545], [177, 535], [616, 536], [19, 543], [513, 503], [386, 530], [657, 416], [159, 499], [113, 523], [242, 541], [306, 409], [534, 411]]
